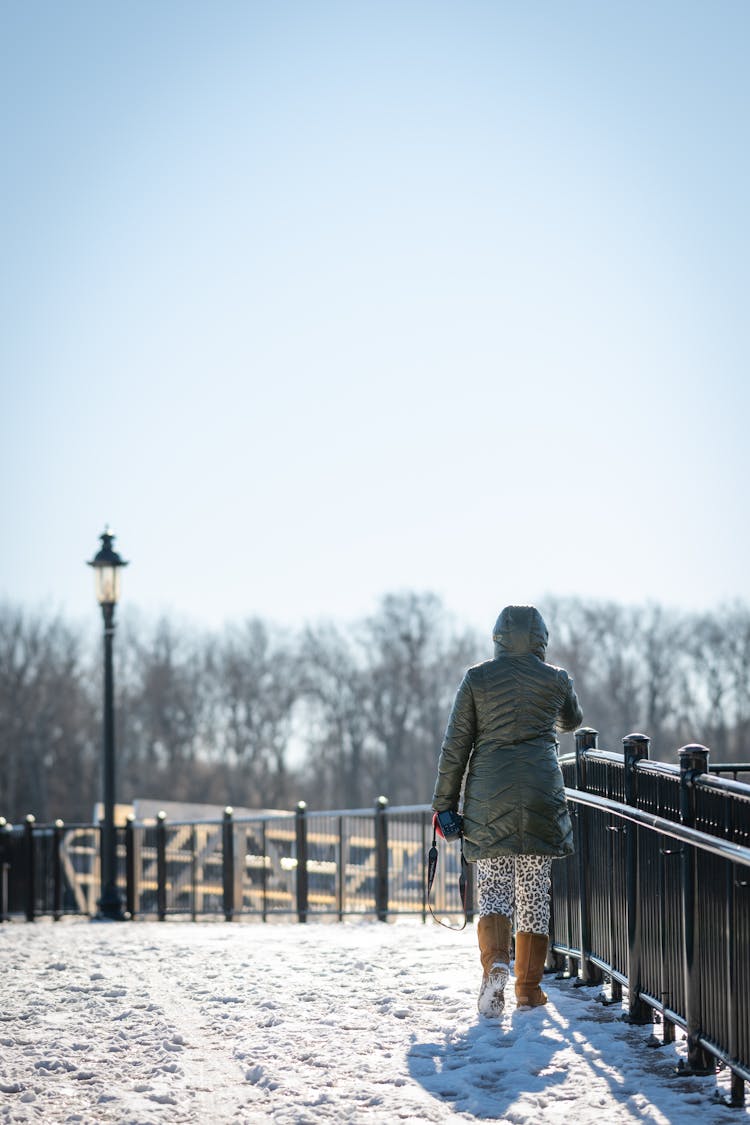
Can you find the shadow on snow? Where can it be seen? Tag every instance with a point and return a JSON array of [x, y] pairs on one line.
[[531, 1060]]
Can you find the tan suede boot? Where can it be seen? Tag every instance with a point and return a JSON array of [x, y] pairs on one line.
[[531, 953], [493, 931]]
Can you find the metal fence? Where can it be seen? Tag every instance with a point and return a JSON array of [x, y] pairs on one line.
[[656, 896], [301, 865]]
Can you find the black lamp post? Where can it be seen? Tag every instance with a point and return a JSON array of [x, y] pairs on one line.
[[107, 564]]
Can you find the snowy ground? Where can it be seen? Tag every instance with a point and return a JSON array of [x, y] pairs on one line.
[[360, 1022]]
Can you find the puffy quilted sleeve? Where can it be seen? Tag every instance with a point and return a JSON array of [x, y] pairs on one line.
[[456, 749], [570, 715]]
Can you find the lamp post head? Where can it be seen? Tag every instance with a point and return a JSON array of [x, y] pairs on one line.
[[107, 564]]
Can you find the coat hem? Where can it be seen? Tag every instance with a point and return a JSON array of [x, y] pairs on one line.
[[472, 857]]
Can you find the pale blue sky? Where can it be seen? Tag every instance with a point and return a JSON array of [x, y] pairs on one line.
[[313, 301]]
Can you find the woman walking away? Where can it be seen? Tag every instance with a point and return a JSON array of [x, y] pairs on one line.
[[501, 737]]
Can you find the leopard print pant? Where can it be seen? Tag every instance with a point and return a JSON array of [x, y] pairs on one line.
[[521, 883]]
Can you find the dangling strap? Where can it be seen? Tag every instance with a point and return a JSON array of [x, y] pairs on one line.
[[432, 862]]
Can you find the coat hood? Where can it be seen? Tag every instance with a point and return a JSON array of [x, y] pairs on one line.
[[520, 629]]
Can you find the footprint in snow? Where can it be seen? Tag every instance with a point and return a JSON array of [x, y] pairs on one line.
[[176, 1044], [258, 1077]]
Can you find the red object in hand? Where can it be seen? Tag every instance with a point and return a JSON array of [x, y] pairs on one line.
[[437, 830]]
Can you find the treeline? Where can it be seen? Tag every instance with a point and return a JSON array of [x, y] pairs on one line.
[[262, 717]]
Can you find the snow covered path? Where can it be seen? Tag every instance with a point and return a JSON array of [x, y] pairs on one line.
[[360, 1022]]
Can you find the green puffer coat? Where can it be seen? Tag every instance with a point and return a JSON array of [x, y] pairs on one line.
[[501, 734]]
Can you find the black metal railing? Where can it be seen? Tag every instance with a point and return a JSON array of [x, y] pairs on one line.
[[300, 865], [656, 897], [661, 885]]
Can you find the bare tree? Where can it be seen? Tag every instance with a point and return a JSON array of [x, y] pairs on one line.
[[255, 690], [259, 717], [596, 643], [738, 656], [163, 689], [340, 753], [379, 697], [48, 728], [416, 659]]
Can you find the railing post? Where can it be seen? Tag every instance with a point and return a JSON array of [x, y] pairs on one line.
[[161, 865], [227, 862], [635, 748], [554, 962], [381, 859], [130, 866], [30, 868], [300, 827], [264, 849], [341, 865], [665, 992], [693, 762], [193, 874], [586, 739], [613, 830], [735, 1001], [57, 871], [5, 846]]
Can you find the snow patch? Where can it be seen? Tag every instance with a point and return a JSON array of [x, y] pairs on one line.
[[288, 1024]]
